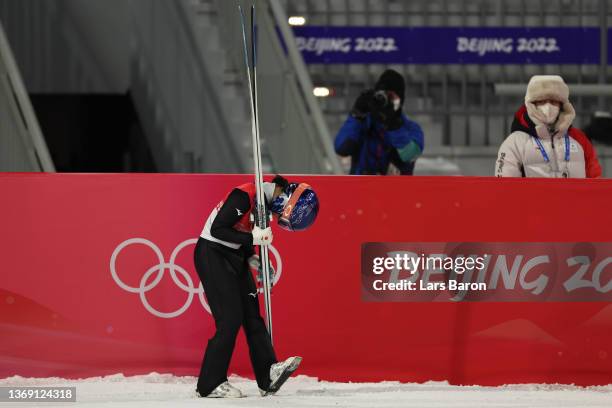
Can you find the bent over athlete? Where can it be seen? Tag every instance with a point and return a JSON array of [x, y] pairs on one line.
[[222, 261]]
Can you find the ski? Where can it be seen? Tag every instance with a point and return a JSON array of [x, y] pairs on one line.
[[261, 213]]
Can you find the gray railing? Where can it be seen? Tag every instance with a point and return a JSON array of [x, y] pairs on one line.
[[292, 125], [174, 93], [22, 145]]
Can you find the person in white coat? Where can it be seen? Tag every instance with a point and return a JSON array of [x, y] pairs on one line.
[[543, 142]]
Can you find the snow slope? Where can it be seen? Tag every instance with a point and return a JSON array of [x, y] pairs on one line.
[[165, 390]]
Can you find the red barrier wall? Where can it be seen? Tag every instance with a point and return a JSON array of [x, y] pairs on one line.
[[63, 314]]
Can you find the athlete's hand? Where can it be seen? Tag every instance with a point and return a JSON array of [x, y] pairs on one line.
[[255, 265], [262, 236]]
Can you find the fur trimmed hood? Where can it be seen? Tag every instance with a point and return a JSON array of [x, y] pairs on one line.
[[522, 122], [542, 87]]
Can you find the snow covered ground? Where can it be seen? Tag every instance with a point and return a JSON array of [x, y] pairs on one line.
[[164, 390]]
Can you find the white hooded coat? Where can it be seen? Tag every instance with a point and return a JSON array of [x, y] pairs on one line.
[[567, 151]]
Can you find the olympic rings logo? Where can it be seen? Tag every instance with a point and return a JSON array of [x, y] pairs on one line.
[[159, 271]]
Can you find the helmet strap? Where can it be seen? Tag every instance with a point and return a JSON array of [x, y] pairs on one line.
[[293, 200]]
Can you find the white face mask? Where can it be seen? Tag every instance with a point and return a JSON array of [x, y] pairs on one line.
[[550, 112], [396, 103]]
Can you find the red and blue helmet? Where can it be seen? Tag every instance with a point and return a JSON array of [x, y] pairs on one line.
[[297, 207]]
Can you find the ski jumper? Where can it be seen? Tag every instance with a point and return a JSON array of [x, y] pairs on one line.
[[221, 260]]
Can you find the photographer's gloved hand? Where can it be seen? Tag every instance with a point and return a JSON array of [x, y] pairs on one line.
[[386, 110], [262, 236], [361, 107]]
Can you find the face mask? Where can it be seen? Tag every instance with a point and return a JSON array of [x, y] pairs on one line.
[[395, 100], [550, 112], [396, 103]]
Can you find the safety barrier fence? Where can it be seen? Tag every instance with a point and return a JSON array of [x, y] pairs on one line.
[[99, 270]]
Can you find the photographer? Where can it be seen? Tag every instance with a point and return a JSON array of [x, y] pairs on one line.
[[377, 133]]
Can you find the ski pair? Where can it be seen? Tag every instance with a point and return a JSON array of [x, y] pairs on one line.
[[261, 217]]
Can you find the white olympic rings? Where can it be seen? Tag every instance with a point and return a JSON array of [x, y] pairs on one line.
[[161, 266]]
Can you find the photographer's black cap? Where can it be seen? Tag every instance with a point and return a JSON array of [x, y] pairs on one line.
[[391, 80]]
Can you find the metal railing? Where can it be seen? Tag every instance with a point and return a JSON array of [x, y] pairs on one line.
[[291, 121], [22, 145], [180, 89], [174, 93]]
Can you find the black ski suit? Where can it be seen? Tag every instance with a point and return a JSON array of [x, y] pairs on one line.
[[232, 295]]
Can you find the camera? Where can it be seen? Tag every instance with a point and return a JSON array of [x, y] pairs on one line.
[[379, 100]]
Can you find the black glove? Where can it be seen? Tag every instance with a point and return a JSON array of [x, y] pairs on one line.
[[361, 107]]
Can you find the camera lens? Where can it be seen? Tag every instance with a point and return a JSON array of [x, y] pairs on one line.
[[380, 99]]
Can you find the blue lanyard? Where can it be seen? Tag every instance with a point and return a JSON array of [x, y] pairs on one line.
[[545, 155]]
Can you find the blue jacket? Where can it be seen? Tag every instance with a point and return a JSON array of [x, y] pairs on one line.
[[372, 148]]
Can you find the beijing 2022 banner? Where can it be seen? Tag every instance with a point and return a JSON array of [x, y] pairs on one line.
[[448, 45]]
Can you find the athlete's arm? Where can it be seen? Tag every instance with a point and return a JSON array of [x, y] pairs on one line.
[[236, 205]]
